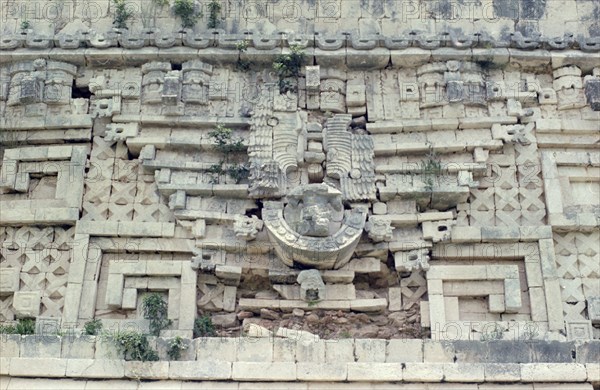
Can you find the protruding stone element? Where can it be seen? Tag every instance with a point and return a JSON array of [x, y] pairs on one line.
[[312, 287], [120, 131], [177, 200], [379, 229], [437, 231], [315, 210], [47, 326], [247, 228], [579, 330], [513, 134], [292, 247], [414, 260], [313, 78], [592, 92], [9, 280], [26, 304], [338, 146], [171, 93], [593, 306]]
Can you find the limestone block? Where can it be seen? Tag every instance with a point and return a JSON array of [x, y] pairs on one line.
[[255, 350], [553, 304], [230, 274], [537, 300], [355, 95], [395, 299], [313, 78], [147, 370], [120, 131], [310, 371], [284, 350], [496, 303], [404, 350], [296, 334], [265, 371], [26, 304], [593, 371], [95, 368], [370, 350], [465, 372], [436, 230], [375, 372], [4, 371], [217, 349], [579, 330], [9, 280], [512, 295], [593, 306], [423, 372], [438, 351], [38, 367], [553, 372], [505, 372], [78, 347], [339, 351], [11, 345], [200, 370], [369, 305], [461, 234], [310, 351]]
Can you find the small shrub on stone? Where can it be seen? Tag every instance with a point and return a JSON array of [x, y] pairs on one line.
[[93, 327], [155, 310], [186, 11], [214, 9], [175, 347], [204, 327], [226, 144], [122, 14], [135, 346], [242, 65], [288, 65], [25, 326]]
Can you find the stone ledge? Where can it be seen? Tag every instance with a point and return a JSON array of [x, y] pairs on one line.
[[70, 384], [535, 373]]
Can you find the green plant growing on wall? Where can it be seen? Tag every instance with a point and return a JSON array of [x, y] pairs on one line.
[[186, 11], [204, 327], [92, 327], [155, 310], [228, 146], [161, 3], [431, 170], [25, 24], [242, 65], [288, 65], [134, 346], [23, 326], [175, 347], [122, 14], [214, 9]]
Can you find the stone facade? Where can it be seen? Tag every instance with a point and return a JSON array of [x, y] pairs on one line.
[[435, 185]]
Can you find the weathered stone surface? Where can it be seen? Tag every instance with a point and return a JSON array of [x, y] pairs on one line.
[[256, 371], [200, 370]]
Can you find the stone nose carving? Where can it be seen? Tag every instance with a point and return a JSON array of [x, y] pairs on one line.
[[313, 229], [315, 210], [312, 287]]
